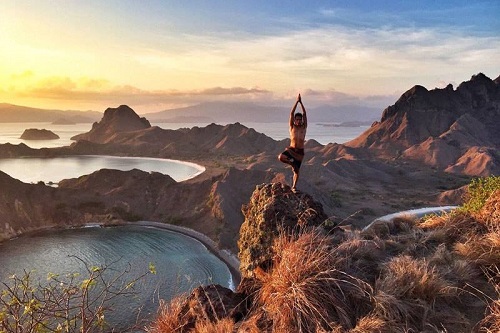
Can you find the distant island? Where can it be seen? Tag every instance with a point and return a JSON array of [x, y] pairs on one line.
[[38, 134]]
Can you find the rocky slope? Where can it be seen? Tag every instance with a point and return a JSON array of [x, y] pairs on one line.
[[453, 130], [105, 196]]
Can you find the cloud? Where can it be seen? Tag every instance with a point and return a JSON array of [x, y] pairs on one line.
[[68, 89], [361, 60]]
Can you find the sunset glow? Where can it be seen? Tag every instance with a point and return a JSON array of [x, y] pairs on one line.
[[155, 55]]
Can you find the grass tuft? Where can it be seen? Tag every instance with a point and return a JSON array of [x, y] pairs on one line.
[[306, 290], [169, 316]]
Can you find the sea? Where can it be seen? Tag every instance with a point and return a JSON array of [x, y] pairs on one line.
[[178, 264]]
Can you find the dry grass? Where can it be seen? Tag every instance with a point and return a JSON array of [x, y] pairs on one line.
[[415, 295], [438, 275], [225, 325], [406, 277], [484, 249], [454, 226], [491, 322], [168, 319], [306, 291], [372, 324]]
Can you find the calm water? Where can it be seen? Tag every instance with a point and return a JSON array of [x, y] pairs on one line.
[[182, 263], [323, 133], [54, 169]]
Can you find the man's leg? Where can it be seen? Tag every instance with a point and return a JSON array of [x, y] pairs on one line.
[[285, 158], [295, 179]]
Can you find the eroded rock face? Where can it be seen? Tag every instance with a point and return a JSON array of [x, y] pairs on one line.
[[38, 134], [273, 208]]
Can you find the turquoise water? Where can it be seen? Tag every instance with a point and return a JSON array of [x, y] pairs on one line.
[[181, 262]]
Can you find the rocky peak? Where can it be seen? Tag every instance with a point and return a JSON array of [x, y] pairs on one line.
[[115, 120], [419, 113], [273, 208]]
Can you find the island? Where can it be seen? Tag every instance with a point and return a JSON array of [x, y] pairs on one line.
[[38, 134]]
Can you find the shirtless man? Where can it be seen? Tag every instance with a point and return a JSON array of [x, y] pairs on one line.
[[294, 154]]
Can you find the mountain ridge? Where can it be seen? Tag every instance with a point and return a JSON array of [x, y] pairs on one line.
[[423, 124]]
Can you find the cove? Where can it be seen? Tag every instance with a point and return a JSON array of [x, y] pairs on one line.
[[181, 262], [54, 169]]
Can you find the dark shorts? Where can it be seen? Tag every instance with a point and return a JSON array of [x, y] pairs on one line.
[[297, 154]]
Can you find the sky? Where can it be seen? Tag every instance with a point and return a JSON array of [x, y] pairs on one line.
[[154, 55]]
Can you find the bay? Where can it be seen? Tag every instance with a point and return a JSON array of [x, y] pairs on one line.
[[181, 262]]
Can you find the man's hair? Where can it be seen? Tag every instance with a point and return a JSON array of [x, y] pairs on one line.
[[298, 115]]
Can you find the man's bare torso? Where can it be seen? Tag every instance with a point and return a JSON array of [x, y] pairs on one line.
[[297, 136]]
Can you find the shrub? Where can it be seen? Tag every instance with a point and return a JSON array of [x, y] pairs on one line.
[[478, 192]]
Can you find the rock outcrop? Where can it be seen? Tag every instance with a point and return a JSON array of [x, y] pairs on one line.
[[38, 134], [114, 121], [273, 209]]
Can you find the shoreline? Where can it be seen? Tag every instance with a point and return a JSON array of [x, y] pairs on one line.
[[228, 258]]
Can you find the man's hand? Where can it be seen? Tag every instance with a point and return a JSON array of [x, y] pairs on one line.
[[299, 100]]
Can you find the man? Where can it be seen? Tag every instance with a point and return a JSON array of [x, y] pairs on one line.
[[294, 154]]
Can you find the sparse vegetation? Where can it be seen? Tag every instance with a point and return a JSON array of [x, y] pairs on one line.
[[336, 199], [479, 190], [439, 274]]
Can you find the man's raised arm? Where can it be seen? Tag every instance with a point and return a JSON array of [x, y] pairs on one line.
[[292, 112], [304, 114]]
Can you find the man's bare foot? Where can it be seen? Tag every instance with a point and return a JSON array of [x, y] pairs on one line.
[[294, 190]]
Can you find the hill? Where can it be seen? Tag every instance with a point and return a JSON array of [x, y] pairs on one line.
[[243, 112], [114, 122], [19, 114], [357, 182]]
